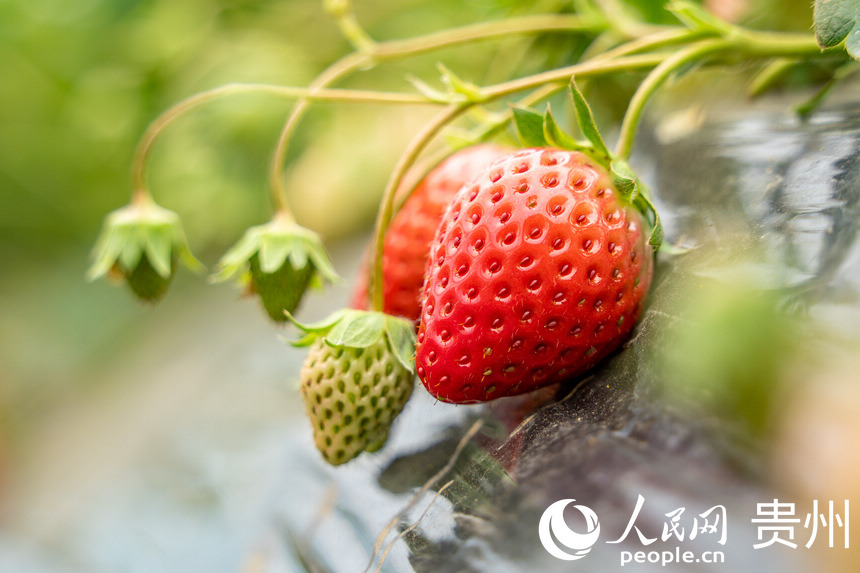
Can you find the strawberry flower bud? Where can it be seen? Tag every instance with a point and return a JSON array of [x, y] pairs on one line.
[[356, 378], [141, 244], [278, 261]]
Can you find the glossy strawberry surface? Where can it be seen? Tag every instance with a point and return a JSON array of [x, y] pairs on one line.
[[538, 270], [407, 242]]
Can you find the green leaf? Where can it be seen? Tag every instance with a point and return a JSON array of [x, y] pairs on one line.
[[458, 86], [401, 335], [631, 187], [529, 126], [557, 137], [836, 21], [358, 329], [586, 121]]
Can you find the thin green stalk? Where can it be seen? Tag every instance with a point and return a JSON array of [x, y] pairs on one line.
[[395, 49], [331, 75], [374, 52], [386, 206], [349, 26], [144, 147], [583, 69], [743, 42], [653, 81]]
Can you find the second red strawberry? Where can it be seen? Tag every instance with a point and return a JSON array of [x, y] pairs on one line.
[[407, 241]]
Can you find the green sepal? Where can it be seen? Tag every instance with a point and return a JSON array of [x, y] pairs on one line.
[[314, 330], [142, 230], [631, 187], [529, 124], [557, 137], [350, 328], [697, 19], [429, 92], [458, 90], [357, 329], [458, 86], [585, 119], [276, 243], [624, 179], [836, 21], [401, 337], [674, 250], [645, 205]]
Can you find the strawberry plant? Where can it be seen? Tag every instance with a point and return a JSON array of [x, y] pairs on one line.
[[530, 269]]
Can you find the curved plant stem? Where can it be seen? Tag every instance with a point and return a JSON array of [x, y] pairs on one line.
[[386, 207], [653, 81], [744, 42], [395, 49], [344, 16], [375, 52], [331, 75], [144, 146], [584, 69]]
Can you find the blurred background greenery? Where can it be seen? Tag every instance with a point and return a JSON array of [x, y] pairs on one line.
[[79, 82]]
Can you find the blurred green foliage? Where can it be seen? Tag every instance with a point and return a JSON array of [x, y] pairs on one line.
[[729, 352], [81, 80]]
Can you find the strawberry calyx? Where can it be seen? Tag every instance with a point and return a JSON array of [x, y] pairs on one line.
[[350, 328], [278, 261], [142, 243], [537, 129]]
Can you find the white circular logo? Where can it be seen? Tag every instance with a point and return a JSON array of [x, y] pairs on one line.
[[579, 543]]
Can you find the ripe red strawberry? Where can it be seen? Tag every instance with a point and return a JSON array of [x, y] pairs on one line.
[[537, 271], [407, 242]]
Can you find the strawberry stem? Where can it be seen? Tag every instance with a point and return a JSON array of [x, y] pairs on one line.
[[744, 42], [371, 53], [330, 76], [386, 206], [166, 119], [653, 81]]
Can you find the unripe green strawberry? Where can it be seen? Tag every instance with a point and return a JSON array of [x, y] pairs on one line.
[[357, 376], [145, 281], [142, 244], [277, 261], [352, 395], [279, 290]]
